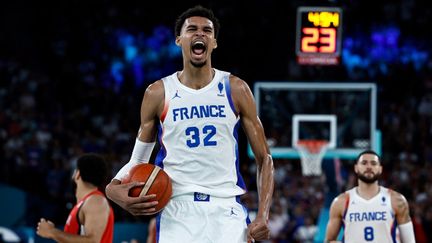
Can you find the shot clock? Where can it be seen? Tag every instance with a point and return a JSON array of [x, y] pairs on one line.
[[318, 37]]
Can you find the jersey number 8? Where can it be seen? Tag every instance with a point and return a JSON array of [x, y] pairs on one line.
[[368, 233]]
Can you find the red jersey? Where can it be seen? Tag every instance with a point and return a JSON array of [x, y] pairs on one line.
[[74, 226]]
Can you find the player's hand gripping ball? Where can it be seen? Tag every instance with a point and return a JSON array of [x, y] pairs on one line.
[[156, 181]]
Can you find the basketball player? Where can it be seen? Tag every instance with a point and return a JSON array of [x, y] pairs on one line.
[[92, 218], [370, 212], [196, 113]]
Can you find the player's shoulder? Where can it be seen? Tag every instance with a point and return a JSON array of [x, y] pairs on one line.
[[341, 198], [156, 85], [235, 80], [155, 89], [95, 201], [238, 85], [397, 198], [340, 201], [338, 205]]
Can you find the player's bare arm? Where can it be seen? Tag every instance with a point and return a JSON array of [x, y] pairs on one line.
[[151, 109], [335, 220], [401, 208], [94, 215], [245, 106]]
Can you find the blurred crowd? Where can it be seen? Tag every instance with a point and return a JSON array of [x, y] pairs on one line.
[[43, 129], [49, 116]]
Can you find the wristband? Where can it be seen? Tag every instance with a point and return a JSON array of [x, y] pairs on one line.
[[140, 154]]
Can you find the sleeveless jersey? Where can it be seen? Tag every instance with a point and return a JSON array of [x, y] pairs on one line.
[[198, 138], [74, 226], [370, 220]]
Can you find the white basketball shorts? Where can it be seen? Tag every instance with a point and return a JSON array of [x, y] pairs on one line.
[[201, 218]]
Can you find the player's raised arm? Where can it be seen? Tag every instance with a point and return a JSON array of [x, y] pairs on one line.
[[335, 220], [245, 105]]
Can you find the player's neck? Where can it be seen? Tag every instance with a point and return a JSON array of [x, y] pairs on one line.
[[368, 191], [196, 78], [83, 189]]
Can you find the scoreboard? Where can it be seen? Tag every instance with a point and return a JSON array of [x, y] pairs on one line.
[[318, 35]]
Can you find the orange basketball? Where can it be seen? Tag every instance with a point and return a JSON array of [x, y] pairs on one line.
[[156, 181]]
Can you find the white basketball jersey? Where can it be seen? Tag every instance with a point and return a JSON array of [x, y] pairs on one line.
[[198, 137], [370, 220]]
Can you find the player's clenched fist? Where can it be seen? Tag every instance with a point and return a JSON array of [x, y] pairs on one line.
[[258, 230]]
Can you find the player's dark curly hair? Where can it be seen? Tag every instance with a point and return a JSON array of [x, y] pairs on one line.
[[368, 152], [93, 169], [197, 11]]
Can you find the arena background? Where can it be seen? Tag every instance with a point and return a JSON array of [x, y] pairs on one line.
[[72, 76]]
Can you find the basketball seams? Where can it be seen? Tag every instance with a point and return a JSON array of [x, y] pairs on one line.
[[150, 181], [156, 181]]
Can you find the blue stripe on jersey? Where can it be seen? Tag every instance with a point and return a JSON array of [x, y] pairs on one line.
[[393, 231], [158, 218], [228, 94], [240, 181], [162, 151], [343, 228], [347, 200]]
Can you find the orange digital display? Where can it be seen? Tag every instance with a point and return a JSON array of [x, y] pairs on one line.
[[318, 35]]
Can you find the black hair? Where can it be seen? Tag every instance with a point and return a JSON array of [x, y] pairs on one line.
[[197, 11], [368, 152], [93, 169]]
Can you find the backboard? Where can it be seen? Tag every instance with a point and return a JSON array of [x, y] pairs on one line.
[[342, 113]]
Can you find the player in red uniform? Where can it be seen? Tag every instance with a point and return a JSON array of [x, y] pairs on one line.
[[92, 218]]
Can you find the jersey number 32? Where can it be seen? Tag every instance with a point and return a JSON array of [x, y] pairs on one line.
[[194, 136]]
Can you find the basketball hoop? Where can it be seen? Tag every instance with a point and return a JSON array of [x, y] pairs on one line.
[[311, 153]]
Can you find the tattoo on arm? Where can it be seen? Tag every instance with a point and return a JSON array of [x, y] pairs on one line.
[[402, 207]]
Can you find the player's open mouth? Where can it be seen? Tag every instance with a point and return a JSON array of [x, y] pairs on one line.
[[198, 47]]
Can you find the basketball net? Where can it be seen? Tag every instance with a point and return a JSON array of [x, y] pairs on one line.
[[311, 154]]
